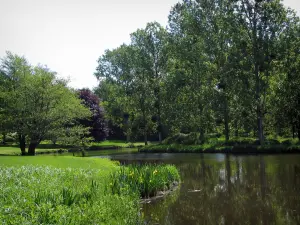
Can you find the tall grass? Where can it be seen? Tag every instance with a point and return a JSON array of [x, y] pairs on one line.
[[48, 195], [101, 192], [146, 180]]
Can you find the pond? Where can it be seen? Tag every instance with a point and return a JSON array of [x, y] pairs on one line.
[[226, 189]]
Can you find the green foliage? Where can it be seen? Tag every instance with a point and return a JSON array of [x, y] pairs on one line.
[[72, 190], [228, 67], [36, 103], [47, 195], [235, 146], [186, 139], [146, 180]]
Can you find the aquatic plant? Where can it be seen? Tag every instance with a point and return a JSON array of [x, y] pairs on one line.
[[146, 180]]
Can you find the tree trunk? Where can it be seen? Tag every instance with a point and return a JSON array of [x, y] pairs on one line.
[[159, 124], [145, 127], [127, 137], [145, 137], [256, 60], [22, 144], [159, 130], [259, 114], [201, 135], [260, 129], [226, 119], [127, 130], [159, 137], [236, 129], [4, 138], [32, 147], [293, 130]]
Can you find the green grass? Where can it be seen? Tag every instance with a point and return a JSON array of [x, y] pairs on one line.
[[46, 147], [59, 162], [114, 144], [76, 190], [15, 150]]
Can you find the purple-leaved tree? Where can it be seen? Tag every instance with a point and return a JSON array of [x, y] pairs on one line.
[[99, 128]]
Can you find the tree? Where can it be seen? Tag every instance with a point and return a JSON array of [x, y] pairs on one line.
[[151, 44], [36, 101], [221, 66], [284, 97], [125, 84], [263, 22], [97, 123]]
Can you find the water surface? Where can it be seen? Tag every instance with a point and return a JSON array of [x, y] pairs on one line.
[[226, 189]]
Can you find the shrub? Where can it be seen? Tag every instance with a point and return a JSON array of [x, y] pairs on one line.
[[180, 138]]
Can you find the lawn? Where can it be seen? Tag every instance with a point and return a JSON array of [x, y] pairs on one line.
[[59, 162], [15, 150], [117, 143], [46, 147]]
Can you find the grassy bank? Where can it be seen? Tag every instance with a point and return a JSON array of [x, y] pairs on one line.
[[234, 149], [15, 150], [74, 190], [46, 147]]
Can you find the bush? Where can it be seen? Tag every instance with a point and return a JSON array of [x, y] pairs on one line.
[[272, 142], [186, 139], [130, 145], [242, 141], [10, 138]]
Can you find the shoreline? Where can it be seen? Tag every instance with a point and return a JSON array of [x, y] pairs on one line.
[[161, 194], [238, 149]]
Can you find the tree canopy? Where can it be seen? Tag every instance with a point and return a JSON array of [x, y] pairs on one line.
[[228, 67], [35, 102]]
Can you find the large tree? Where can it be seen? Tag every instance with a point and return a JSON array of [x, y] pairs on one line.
[[151, 46], [125, 86], [36, 102]]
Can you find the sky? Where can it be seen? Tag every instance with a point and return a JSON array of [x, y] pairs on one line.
[[69, 35]]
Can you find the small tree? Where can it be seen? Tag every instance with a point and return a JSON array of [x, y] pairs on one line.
[[96, 122]]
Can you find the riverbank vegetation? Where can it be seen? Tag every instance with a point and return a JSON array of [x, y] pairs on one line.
[[76, 190], [190, 143], [146, 179]]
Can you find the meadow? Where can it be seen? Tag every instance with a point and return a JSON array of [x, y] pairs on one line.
[[76, 190]]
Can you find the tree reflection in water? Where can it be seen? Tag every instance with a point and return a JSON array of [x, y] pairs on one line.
[[231, 190]]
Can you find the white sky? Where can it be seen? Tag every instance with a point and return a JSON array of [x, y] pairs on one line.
[[69, 35]]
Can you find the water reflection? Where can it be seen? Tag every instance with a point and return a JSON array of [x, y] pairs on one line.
[[229, 190]]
